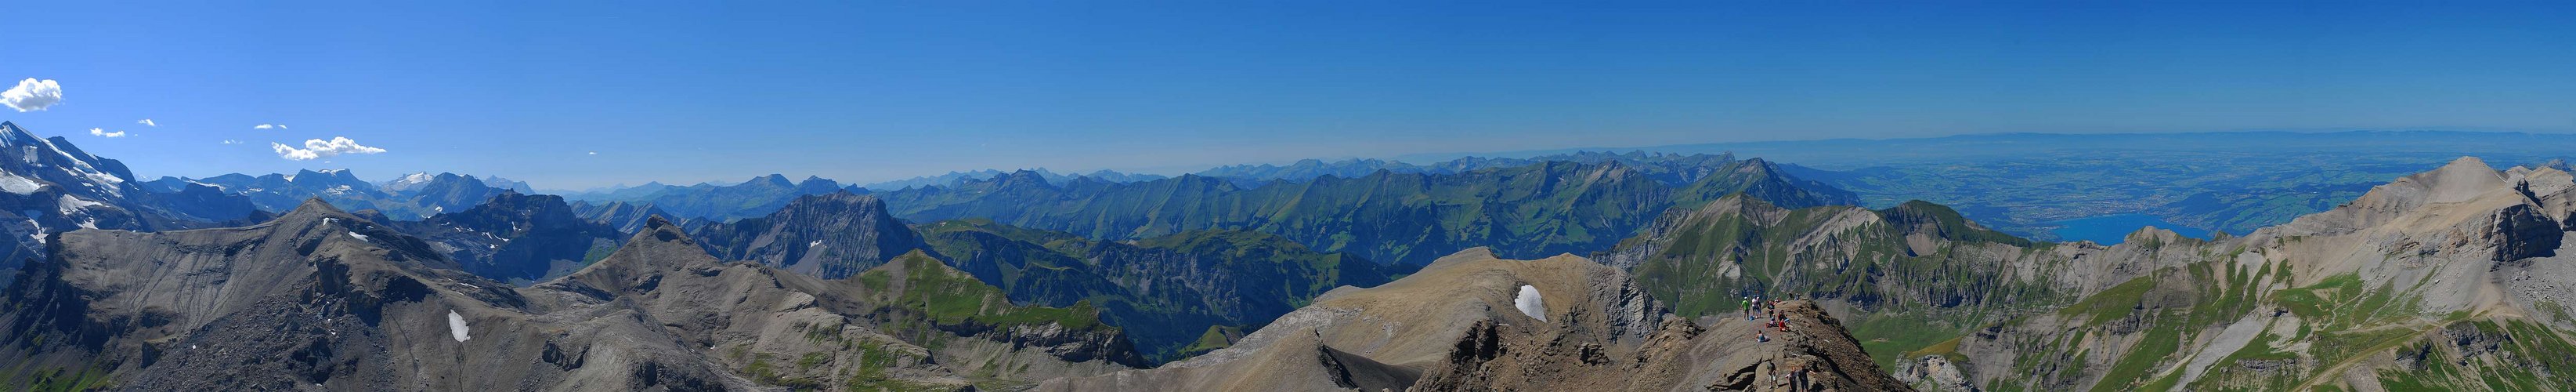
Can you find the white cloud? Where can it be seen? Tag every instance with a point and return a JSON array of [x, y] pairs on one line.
[[229, 141], [594, 153], [105, 133], [318, 148], [32, 95], [147, 122], [268, 126]]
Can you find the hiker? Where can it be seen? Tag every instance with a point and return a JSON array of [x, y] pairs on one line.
[[1798, 378], [1761, 337]]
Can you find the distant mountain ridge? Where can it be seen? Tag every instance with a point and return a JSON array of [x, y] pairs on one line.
[[1543, 208], [829, 236], [2026, 183], [626, 217], [413, 196], [516, 238], [1677, 167], [719, 202], [1051, 176]]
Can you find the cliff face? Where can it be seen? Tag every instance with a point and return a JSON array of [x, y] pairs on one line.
[[829, 236], [515, 238], [1474, 322]]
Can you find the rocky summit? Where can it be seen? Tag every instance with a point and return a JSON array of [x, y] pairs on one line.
[[2415, 284], [832, 236], [1470, 321]]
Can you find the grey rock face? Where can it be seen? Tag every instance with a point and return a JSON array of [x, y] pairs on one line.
[[517, 238], [828, 236]]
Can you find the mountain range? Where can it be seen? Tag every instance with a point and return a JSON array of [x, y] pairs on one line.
[[1410, 218], [1051, 176], [2444, 280], [48, 186], [410, 197], [2034, 184], [1633, 271]]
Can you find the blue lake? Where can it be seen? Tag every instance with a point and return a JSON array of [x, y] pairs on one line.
[[2110, 229]]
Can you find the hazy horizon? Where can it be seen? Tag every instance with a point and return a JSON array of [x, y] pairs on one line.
[[576, 97]]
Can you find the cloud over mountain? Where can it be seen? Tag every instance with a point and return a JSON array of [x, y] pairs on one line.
[[318, 148], [32, 95], [102, 132]]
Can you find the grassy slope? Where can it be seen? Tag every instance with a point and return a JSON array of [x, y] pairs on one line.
[[1911, 300], [1167, 291]]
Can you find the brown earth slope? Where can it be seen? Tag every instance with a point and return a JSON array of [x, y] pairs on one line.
[[1459, 325]]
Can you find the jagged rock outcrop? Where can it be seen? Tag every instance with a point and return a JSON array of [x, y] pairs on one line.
[[829, 236], [1934, 373], [1453, 326]]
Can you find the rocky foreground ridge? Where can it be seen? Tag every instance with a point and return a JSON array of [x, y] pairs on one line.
[[322, 299], [1471, 321], [2453, 279]]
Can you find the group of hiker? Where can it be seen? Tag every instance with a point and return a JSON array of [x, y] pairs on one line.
[[1757, 308], [1796, 377]]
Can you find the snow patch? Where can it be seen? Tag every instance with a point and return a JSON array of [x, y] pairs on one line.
[[72, 205], [814, 244], [456, 326], [1529, 303], [20, 185], [360, 237]]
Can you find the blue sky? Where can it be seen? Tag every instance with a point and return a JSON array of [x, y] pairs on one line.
[[865, 91]]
